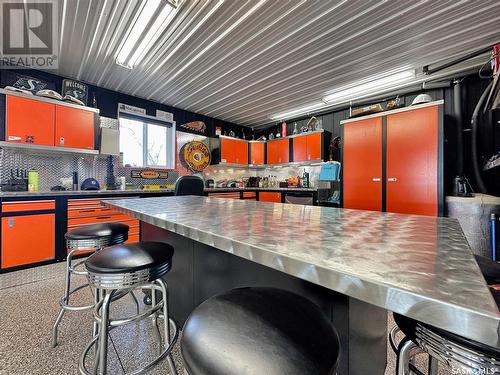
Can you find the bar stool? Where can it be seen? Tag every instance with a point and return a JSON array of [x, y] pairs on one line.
[[88, 237], [462, 355], [124, 268], [256, 331]]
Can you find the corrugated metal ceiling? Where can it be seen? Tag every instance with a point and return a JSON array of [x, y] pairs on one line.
[[243, 61]]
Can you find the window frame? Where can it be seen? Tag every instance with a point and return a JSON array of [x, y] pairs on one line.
[[171, 155]]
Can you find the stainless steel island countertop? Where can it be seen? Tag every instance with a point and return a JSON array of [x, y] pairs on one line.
[[418, 266]]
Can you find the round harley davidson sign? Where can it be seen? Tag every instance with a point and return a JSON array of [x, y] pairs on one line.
[[195, 155]]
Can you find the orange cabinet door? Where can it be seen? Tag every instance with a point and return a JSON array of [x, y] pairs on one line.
[[234, 151], [268, 196], [74, 128], [314, 146], [300, 148], [257, 153], [412, 162], [362, 144], [29, 121], [27, 239], [278, 151]]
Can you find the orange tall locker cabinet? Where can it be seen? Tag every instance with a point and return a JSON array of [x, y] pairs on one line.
[[233, 151], [362, 145], [413, 162], [394, 161]]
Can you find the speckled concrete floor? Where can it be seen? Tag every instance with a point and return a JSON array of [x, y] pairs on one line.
[[28, 311]]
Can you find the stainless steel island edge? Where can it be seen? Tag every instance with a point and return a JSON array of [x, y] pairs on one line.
[[418, 266]]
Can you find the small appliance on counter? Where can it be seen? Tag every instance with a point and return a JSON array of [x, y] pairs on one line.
[[253, 182], [461, 187], [33, 180], [209, 183], [17, 182], [90, 184]]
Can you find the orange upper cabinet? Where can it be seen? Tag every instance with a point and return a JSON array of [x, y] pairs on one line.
[[362, 145], [278, 151], [29, 121], [412, 161], [307, 147], [74, 128], [233, 151], [300, 148], [257, 153]]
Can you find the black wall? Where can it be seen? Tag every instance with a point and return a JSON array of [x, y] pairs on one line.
[[489, 143], [107, 102]]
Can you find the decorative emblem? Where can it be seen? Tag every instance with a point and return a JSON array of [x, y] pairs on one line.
[[148, 174], [197, 126], [195, 155]]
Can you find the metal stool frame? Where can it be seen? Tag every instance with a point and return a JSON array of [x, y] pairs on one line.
[[440, 350], [101, 317], [95, 244]]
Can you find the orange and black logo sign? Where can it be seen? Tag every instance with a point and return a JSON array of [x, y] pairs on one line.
[[148, 174], [195, 156]]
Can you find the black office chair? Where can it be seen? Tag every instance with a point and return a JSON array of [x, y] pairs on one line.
[[189, 185]]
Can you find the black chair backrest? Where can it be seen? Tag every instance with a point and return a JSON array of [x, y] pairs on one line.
[[189, 185]]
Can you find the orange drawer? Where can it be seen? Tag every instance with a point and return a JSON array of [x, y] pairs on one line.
[[267, 196], [96, 219], [91, 211], [249, 194], [28, 206], [225, 195], [133, 238], [80, 203]]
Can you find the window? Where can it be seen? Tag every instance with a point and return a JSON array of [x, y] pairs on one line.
[[146, 142]]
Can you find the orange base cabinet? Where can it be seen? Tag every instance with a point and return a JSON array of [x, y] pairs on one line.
[[27, 239], [29, 121], [268, 196], [74, 128], [362, 145]]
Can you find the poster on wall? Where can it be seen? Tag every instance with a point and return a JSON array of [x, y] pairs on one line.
[[195, 156], [75, 91], [25, 83], [196, 126]]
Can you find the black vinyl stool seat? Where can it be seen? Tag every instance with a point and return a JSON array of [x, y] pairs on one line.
[[92, 231], [257, 331], [127, 267], [129, 264]]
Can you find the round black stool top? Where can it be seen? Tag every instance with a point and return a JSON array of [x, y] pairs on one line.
[[126, 258], [259, 331], [95, 231], [409, 326]]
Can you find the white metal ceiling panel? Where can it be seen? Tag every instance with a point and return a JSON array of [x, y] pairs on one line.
[[245, 60]]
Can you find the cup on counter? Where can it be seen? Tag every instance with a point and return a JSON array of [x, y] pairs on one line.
[[123, 184]]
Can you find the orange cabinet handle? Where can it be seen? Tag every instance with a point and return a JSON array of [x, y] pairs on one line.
[[103, 217]]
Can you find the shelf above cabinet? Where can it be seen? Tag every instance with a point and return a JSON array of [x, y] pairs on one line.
[[46, 149]]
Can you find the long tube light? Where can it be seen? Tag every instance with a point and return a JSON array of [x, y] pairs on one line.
[[298, 111], [369, 87], [138, 41]]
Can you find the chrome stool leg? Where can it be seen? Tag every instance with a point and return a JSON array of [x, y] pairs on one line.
[[166, 325], [103, 335], [407, 350], [433, 366]]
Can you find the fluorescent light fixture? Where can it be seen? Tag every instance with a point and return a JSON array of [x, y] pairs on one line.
[[370, 86], [298, 111], [143, 33]]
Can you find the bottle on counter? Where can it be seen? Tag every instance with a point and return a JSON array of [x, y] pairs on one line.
[[283, 129], [305, 179], [295, 130]]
